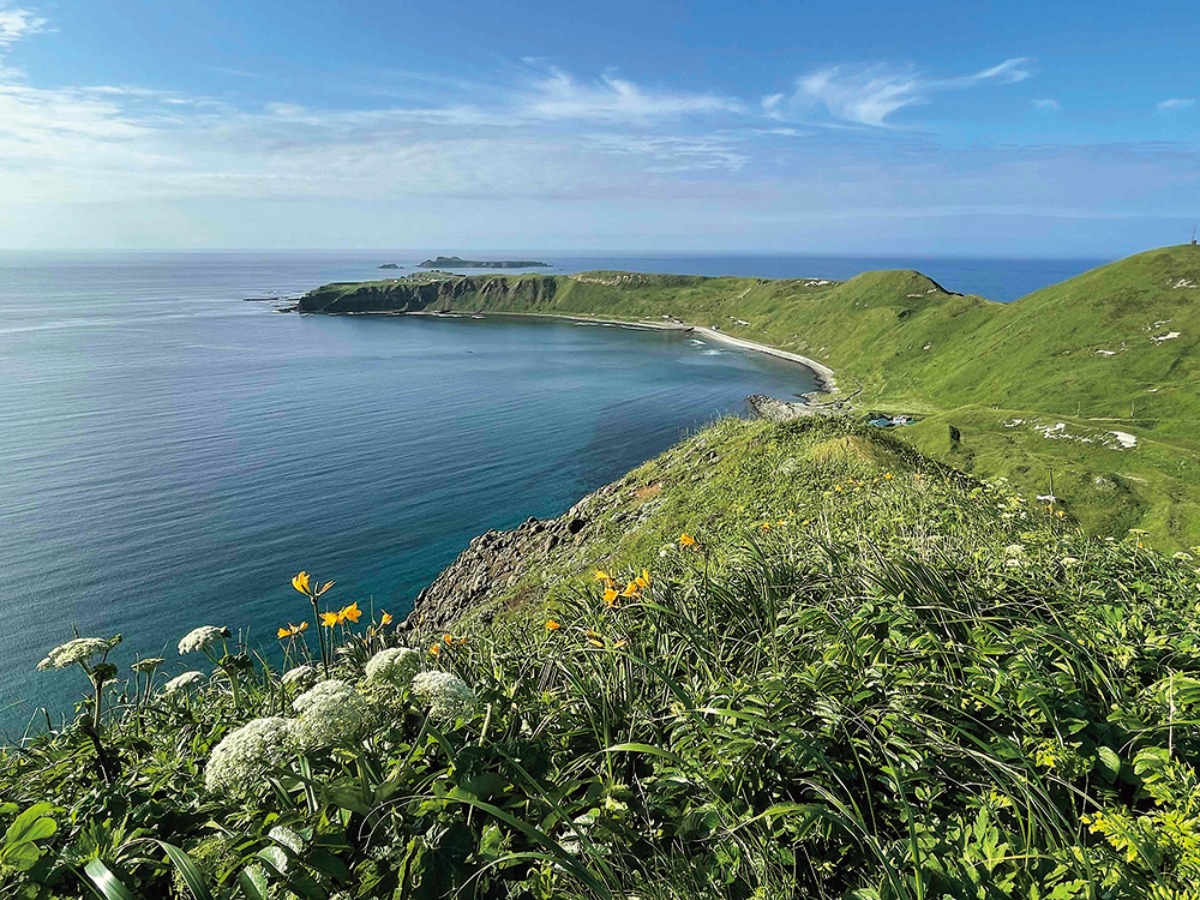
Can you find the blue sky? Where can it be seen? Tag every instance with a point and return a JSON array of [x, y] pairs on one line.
[[1033, 128]]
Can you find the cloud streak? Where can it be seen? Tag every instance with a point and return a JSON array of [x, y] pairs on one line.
[[869, 95]]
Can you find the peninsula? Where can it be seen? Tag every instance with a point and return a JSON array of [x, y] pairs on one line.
[[1084, 390], [457, 262]]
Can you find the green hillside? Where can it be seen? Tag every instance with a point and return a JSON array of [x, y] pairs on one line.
[[846, 671], [1113, 350]]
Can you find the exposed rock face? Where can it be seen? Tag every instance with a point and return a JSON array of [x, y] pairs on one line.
[[418, 296], [497, 559], [778, 410]]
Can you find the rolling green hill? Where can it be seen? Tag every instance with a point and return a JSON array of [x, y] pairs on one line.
[[1048, 390]]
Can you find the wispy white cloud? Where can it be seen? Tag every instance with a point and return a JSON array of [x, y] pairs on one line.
[[1047, 104], [559, 95], [869, 95], [1174, 104], [16, 24]]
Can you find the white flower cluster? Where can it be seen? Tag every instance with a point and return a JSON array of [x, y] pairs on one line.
[[200, 638], [446, 695], [301, 676], [245, 755], [331, 713], [396, 665], [79, 650], [183, 682]]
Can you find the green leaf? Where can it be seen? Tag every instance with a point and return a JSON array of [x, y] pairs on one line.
[[108, 884], [188, 870], [31, 825], [1110, 762], [253, 882]]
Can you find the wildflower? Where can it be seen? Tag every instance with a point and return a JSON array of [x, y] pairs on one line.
[[303, 584], [643, 580], [888, 476], [595, 638], [396, 665], [447, 696], [385, 619], [300, 582], [239, 762], [200, 638], [686, 540], [142, 666], [449, 639], [621, 644], [1014, 550], [79, 650], [601, 575], [331, 713], [551, 625], [610, 597], [300, 676], [329, 619], [183, 682], [292, 631], [435, 650], [631, 590], [350, 613]]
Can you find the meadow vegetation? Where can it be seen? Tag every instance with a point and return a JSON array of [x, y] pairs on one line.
[[1039, 391], [798, 660]]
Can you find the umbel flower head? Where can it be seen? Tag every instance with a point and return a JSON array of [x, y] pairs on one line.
[[200, 638], [149, 664], [331, 713], [396, 666], [238, 763], [300, 676], [183, 682], [446, 695], [79, 650]]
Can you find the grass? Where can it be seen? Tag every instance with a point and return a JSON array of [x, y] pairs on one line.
[[1082, 352], [870, 677]]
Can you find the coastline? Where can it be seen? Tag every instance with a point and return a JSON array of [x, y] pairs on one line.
[[826, 382]]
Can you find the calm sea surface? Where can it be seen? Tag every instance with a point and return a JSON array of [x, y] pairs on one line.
[[170, 455]]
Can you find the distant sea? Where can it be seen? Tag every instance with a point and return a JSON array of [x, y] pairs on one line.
[[171, 455]]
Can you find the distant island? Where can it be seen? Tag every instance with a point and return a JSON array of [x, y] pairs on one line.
[[457, 262], [390, 266]]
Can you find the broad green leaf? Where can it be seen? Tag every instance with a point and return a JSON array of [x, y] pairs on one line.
[[108, 884]]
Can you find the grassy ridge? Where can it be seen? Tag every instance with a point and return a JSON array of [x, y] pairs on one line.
[[1083, 353], [868, 677]]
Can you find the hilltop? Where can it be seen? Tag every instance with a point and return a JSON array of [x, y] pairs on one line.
[[1085, 390], [796, 660]]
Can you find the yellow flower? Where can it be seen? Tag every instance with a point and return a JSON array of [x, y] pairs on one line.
[[621, 644], [435, 649], [887, 476], [596, 643], [643, 580], [686, 540], [610, 597], [551, 625], [350, 613], [386, 619], [448, 638], [1061, 514], [329, 619], [631, 589], [291, 630], [300, 582], [594, 638], [601, 575]]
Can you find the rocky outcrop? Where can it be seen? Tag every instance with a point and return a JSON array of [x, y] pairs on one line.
[[495, 560], [778, 410]]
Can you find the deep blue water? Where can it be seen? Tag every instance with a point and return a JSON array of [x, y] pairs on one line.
[[170, 455]]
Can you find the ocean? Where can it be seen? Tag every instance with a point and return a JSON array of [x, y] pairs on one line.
[[171, 455]]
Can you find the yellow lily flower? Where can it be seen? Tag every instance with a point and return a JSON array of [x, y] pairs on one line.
[[350, 613], [643, 580], [300, 582], [551, 625], [292, 631], [686, 540], [610, 597], [631, 590], [386, 619], [329, 619], [435, 649]]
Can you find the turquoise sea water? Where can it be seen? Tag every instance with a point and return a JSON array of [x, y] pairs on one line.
[[170, 455]]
